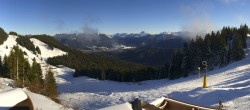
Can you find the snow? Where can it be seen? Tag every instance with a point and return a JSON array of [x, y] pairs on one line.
[[41, 102], [182, 103], [9, 43], [125, 106], [125, 47], [12, 97], [46, 52], [230, 84], [5, 84], [157, 101], [7, 46]]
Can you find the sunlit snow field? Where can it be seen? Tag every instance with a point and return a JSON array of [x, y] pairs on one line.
[[230, 84]]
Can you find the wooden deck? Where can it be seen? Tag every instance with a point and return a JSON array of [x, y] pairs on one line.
[[172, 104]]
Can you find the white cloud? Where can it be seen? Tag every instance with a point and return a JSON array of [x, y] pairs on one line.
[[198, 20], [199, 26]]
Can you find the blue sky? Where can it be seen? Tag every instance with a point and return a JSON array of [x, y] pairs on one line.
[[121, 16]]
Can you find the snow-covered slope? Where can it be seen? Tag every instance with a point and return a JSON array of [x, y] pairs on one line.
[[6, 47], [46, 52], [39, 101], [229, 84]]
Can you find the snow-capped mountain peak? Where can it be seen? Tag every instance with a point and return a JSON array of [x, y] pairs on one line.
[[143, 33]]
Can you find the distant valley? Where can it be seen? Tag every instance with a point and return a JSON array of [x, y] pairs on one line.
[[143, 48]]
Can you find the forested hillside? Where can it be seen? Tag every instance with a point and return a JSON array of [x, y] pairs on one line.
[[217, 48], [154, 52], [25, 42], [51, 42], [17, 67], [104, 68]]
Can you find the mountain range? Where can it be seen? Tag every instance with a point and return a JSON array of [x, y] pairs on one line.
[[144, 48]]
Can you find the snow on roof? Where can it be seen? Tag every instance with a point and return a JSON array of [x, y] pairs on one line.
[[124, 106], [41, 102], [187, 104], [12, 97], [158, 101]]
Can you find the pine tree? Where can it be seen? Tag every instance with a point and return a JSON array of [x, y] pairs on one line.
[[12, 64], [3, 36], [38, 50], [218, 49], [243, 31], [27, 73], [36, 77], [176, 66], [237, 48], [12, 33], [1, 67], [187, 58], [50, 88], [5, 68]]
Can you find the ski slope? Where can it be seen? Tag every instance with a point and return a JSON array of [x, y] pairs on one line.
[[230, 84], [40, 102], [46, 52]]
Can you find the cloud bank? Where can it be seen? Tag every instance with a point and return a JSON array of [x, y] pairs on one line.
[[198, 21]]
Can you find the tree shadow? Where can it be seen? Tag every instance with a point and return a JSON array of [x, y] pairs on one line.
[[210, 96], [86, 84]]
